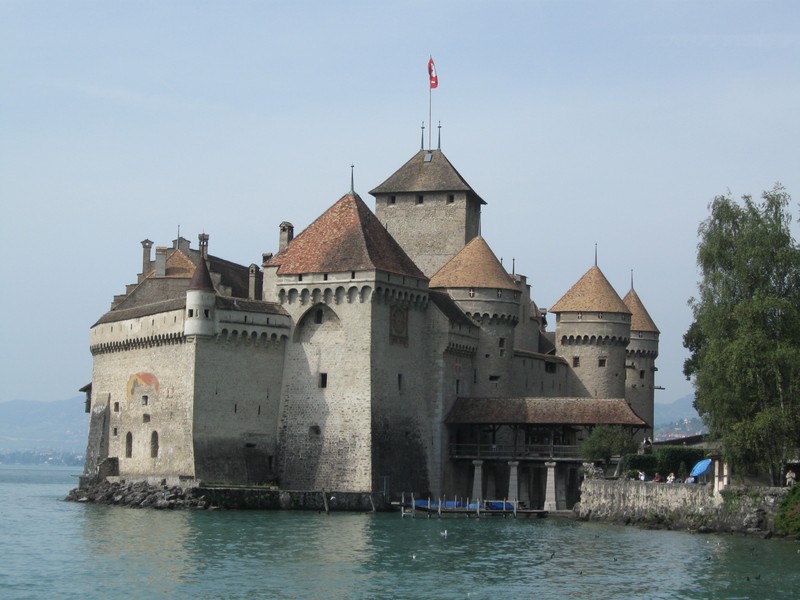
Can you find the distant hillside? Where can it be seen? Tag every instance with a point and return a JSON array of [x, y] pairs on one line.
[[680, 409], [26, 425]]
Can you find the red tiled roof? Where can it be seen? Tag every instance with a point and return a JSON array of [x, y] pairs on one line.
[[640, 318], [592, 293], [475, 265], [346, 237], [549, 411]]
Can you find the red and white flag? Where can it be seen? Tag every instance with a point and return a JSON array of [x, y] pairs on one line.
[[434, 78]]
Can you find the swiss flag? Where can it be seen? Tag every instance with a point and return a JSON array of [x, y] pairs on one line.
[[432, 73]]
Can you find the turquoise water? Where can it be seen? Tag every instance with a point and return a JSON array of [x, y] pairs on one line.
[[55, 549]]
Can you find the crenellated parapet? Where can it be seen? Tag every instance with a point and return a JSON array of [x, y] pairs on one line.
[[245, 337], [594, 340], [460, 349], [130, 343], [505, 319], [353, 294]]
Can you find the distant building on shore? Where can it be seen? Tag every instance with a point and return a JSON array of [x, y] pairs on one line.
[[383, 351]]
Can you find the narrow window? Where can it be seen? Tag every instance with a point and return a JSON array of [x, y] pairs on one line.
[[154, 445], [580, 316], [115, 432], [450, 198], [145, 418], [599, 315], [300, 277], [314, 430], [352, 274], [576, 361], [419, 199], [601, 362], [235, 408], [494, 377], [129, 445], [191, 313], [458, 385], [116, 406], [550, 367], [502, 344], [392, 199], [318, 316], [400, 381], [471, 292], [325, 277], [641, 374], [206, 313], [145, 400], [323, 380], [474, 375], [259, 409]]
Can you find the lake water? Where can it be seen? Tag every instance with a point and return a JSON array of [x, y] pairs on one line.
[[55, 549]]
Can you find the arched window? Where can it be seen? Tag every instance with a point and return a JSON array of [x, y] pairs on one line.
[[129, 445], [154, 445]]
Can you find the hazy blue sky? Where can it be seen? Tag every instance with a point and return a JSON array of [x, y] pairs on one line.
[[578, 122]]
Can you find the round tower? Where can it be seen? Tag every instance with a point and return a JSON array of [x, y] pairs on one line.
[[593, 328], [640, 360], [200, 302], [482, 288]]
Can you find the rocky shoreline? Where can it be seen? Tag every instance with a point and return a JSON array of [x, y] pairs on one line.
[[140, 495]]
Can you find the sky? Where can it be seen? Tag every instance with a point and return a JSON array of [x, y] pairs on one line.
[[579, 122]]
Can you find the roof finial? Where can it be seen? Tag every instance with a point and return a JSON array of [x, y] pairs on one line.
[[439, 144], [631, 278], [595, 254], [513, 266], [352, 184], [422, 138]]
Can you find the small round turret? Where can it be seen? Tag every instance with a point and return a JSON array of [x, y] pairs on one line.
[[200, 303], [593, 328]]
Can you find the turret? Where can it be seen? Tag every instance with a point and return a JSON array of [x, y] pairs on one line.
[[640, 360], [200, 302], [592, 332], [482, 288]]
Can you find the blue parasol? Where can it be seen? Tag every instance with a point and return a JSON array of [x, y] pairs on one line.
[[700, 467]]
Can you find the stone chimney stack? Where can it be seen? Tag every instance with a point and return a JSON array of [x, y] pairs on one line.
[[203, 240], [161, 261], [287, 235], [147, 262], [252, 289]]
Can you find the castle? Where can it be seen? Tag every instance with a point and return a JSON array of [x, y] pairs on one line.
[[386, 352]]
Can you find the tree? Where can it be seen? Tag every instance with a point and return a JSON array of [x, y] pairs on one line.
[[744, 342], [606, 441]]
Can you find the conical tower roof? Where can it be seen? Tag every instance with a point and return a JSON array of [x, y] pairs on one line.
[[640, 318], [592, 293], [426, 171], [474, 266], [201, 278], [346, 237]]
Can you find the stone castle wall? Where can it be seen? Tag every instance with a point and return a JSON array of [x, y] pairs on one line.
[[149, 390], [237, 397], [433, 231], [325, 431]]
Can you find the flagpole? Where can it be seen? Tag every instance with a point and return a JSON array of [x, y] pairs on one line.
[[430, 123]]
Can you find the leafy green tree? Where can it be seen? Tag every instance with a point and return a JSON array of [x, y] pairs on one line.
[[606, 441], [744, 342]]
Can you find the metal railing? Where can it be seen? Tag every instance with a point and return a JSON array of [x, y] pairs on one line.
[[514, 451]]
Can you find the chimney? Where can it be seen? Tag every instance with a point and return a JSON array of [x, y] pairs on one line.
[[252, 291], [161, 261], [146, 262], [203, 240], [265, 258], [287, 235]]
